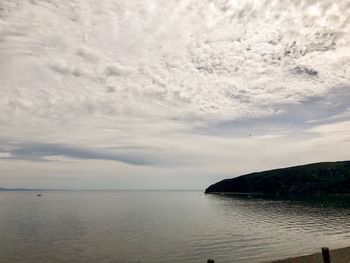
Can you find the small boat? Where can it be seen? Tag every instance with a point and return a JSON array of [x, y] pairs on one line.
[[38, 195]]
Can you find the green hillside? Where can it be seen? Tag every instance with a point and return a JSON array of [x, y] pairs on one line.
[[310, 179]]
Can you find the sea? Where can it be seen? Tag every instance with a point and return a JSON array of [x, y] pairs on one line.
[[165, 226]]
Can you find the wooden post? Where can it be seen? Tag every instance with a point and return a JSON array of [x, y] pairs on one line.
[[326, 256], [210, 261]]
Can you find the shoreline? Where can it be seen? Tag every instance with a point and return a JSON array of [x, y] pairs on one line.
[[277, 196], [340, 255]]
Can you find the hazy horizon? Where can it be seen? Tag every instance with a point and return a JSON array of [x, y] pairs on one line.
[[130, 189], [169, 95]]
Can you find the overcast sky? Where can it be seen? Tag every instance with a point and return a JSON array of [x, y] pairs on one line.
[[174, 94]]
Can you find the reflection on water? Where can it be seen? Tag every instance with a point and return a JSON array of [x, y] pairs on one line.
[[165, 226], [281, 228]]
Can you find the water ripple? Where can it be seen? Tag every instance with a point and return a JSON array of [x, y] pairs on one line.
[[122, 226]]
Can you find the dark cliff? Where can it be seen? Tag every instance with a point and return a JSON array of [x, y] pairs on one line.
[[310, 179]]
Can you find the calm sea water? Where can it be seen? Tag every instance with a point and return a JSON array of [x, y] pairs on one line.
[[163, 226]]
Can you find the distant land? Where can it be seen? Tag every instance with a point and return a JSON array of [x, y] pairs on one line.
[[326, 178], [19, 189]]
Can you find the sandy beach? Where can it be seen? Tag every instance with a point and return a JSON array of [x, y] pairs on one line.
[[341, 255]]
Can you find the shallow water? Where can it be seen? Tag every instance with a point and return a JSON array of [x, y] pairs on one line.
[[163, 226]]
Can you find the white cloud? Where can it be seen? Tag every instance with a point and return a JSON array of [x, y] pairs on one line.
[[117, 73], [221, 59], [4, 154]]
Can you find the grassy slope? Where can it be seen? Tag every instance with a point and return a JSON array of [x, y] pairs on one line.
[[310, 179]]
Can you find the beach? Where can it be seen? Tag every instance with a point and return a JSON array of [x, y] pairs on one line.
[[341, 255]]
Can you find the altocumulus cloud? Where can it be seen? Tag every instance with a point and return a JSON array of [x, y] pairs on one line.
[[82, 77]]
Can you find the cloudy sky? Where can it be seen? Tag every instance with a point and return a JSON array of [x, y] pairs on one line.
[[174, 94]]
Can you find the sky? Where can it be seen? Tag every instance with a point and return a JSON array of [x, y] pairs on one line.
[[176, 94]]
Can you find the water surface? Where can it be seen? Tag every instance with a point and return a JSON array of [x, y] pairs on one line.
[[163, 226]]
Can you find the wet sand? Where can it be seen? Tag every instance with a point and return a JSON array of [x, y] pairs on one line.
[[341, 255]]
